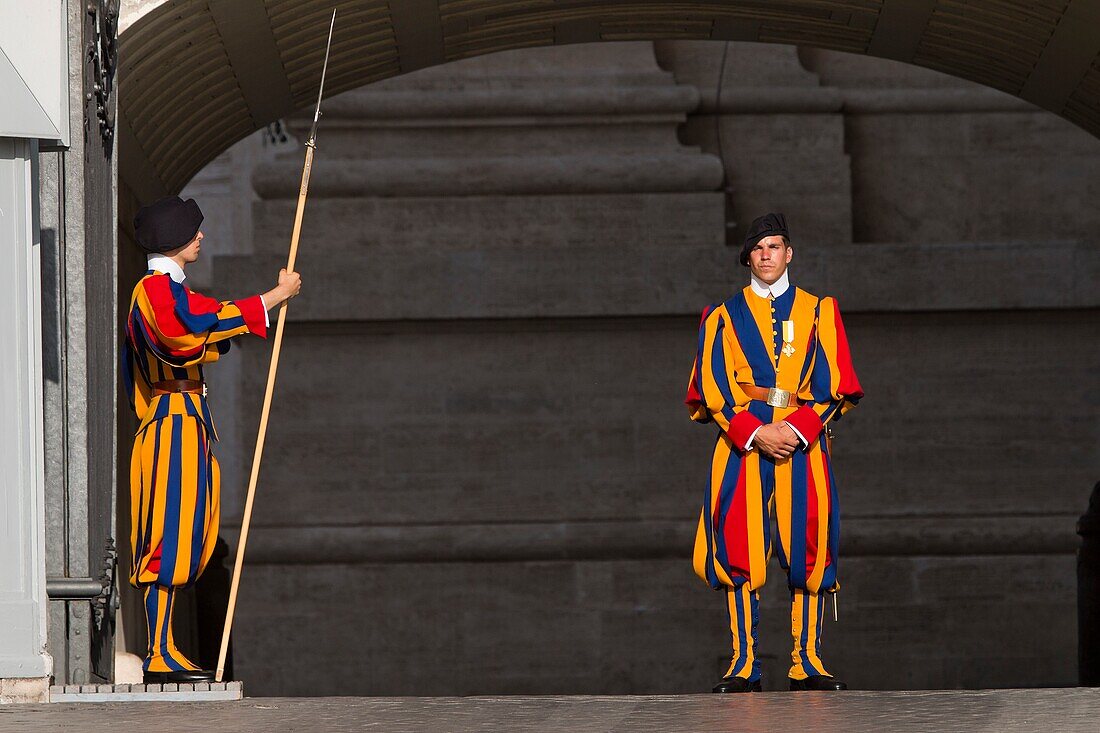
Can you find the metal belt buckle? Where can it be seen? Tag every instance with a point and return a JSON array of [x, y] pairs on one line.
[[778, 397]]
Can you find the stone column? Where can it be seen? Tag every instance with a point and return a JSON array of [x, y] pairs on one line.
[[778, 130]]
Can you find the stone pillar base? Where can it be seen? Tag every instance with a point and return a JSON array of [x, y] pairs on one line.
[[24, 689]]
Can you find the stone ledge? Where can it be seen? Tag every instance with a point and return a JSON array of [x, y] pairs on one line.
[[171, 692], [932, 101], [636, 540], [997, 275], [689, 170], [771, 100], [465, 282], [423, 226], [546, 101], [817, 100]]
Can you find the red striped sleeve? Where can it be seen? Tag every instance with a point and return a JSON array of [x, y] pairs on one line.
[[805, 421], [198, 303], [849, 383], [159, 293], [252, 310], [151, 333], [741, 428], [694, 400]]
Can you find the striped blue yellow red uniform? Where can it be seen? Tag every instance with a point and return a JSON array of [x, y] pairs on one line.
[[741, 343], [171, 333]]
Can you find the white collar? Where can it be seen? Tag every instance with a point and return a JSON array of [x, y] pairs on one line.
[[160, 263], [762, 289]]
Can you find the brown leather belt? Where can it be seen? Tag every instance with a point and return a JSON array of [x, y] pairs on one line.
[[773, 396], [171, 386]]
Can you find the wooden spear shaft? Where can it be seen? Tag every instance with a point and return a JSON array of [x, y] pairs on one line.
[[258, 455], [311, 146]]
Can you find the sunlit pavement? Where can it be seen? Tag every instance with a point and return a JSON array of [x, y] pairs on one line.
[[1053, 710]]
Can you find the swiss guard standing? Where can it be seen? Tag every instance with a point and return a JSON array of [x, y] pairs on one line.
[[772, 370], [171, 333]]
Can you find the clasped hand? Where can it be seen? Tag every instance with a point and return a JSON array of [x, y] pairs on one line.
[[777, 440]]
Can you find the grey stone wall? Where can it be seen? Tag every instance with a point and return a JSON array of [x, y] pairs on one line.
[[479, 475]]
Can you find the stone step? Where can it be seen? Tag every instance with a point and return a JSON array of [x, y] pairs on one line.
[[671, 170], [605, 540], [480, 124], [650, 280], [661, 98], [425, 225], [171, 692], [462, 140]]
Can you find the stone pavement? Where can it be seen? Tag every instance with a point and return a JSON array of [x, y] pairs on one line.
[[1048, 710]]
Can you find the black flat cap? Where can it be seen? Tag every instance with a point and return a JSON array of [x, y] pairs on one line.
[[167, 224], [768, 225]]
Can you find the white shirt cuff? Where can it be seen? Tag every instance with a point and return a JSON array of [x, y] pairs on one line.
[[752, 437], [267, 318], [801, 437]]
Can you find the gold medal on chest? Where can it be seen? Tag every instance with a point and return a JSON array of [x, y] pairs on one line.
[[788, 338]]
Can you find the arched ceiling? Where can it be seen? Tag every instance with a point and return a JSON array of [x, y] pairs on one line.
[[195, 76]]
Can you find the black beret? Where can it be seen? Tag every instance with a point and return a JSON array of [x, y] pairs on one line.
[[167, 224], [768, 225]]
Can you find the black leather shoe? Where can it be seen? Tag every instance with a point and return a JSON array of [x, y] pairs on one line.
[[736, 684], [183, 675], [818, 682]]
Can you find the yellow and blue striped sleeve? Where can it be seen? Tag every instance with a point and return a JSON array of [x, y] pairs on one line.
[[180, 324]]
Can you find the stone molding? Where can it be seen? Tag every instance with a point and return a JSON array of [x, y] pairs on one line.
[[810, 100], [932, 101], [513, 175], [572, 280], [574, 101], [772, 100], [642, 539]]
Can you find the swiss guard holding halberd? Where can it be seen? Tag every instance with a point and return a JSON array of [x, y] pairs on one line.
[[772, 371], [171, 333]]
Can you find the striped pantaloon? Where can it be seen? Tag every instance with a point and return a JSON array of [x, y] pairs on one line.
[[174, 501]]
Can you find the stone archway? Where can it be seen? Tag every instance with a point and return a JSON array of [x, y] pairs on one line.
[[416, 331], [242, 64]]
